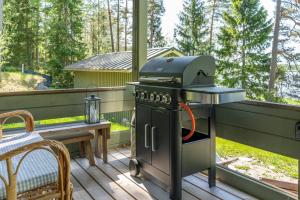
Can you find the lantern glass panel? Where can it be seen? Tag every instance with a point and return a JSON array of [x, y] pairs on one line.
[[87, 111], [92, 110]]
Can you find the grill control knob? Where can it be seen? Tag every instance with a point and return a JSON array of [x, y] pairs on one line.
[[146, 96], [137, 94], [152, 97], [166, 99], [142, 96], [158, 98]]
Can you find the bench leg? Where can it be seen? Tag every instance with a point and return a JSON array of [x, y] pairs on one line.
[[98, 135], [104, 144], [81, 149], [89, 153]]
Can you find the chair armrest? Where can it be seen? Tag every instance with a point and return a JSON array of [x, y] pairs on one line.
[[22, 114], [58, 150]]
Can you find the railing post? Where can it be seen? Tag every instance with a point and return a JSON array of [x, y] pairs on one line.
[[1, 29], [139, 37], [298, 179]]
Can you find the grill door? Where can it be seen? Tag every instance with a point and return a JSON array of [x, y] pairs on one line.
[[160, 137], [143, 133]]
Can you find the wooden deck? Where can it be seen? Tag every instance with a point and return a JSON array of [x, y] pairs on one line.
[[113, 181]]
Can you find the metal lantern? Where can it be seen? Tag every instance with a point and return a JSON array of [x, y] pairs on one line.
[[92, 109]]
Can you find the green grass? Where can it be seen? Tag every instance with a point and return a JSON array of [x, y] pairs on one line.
[[114, 126], [292, 101], [282, 164], [242, 167]]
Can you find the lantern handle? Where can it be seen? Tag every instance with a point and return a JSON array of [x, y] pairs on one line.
[[87, 90]]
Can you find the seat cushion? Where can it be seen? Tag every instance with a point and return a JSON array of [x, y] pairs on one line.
[[38, 169]]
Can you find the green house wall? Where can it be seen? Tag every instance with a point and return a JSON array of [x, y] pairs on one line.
[[100, 79], [90, 79]]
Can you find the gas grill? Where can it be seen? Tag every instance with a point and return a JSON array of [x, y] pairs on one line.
[[175, 119]]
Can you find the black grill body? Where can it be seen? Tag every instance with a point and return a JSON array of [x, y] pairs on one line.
[[161, 124]]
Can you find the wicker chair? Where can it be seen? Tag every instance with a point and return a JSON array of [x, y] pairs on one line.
[[61, 188]]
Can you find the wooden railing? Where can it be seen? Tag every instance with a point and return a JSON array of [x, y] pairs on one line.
[[267, 126], [52, 104]]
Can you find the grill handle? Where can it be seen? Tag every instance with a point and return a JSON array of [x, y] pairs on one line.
[[153, 138], [147, 131], [158, 80]]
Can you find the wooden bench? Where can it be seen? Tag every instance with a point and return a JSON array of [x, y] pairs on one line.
[[81, 132], [83, 138]]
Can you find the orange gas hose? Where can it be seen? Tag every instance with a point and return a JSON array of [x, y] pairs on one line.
[[192, 117]]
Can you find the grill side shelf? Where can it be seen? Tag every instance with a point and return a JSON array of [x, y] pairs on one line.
[[213, 95]]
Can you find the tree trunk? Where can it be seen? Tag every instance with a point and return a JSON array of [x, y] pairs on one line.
[[1, 29], [151, 24], [37, 39], [212, 26], [37, 54], [98, 27], [110, 27], [94, 38], [243, 58], [126, 24], [118, 26], [274, 66], [151, 28]]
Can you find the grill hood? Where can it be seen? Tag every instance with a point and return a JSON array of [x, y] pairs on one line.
[[179, 71]]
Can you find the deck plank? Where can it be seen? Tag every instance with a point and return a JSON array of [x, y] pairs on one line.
[[215, 191], [144, 184], [228, 188], [189, 191], [79, 193], [104, 181], [89, 184], [123, 181], [221, 191], [112, 180], [125, 151], [153, 188]]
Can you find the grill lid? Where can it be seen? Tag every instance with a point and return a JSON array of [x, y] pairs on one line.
[[179, 71]]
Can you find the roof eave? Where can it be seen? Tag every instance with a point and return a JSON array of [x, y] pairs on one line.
[[98, 70]]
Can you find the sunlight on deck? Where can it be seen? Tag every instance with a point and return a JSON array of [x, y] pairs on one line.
[[113, 181]]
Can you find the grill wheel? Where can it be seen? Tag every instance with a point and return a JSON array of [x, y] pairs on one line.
[[134, 167]]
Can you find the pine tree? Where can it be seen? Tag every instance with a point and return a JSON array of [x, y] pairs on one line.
[[118, 25], [21, 32], [192, 31], [215, 8], [65, 39], [96, 33], [244, 39], [285, 48], [155, 11], [126, 24], [110, 20], [274, 66]]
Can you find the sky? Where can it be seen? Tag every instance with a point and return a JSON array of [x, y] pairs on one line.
[[173, 7]]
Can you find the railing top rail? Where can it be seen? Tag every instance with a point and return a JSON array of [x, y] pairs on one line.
[[272, 105], [61, 91]]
